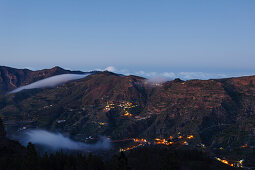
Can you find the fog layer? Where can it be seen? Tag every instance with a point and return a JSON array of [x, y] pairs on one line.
[[56, 141], [51, 82]]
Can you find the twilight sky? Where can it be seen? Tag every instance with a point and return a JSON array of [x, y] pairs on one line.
[[209, 37]]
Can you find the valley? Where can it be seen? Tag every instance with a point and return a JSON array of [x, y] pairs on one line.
[[215, 116]]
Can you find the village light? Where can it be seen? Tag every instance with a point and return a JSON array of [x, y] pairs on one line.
[[190, 137], [244, 146]]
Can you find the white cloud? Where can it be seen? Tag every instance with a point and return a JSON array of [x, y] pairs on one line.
[[110, 68], [51, 82], [146, 74], [169, 74], [57, 141], [200, 75], [172, 75]]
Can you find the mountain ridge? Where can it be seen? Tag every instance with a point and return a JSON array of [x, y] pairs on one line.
[[11, 78], [218, 112]]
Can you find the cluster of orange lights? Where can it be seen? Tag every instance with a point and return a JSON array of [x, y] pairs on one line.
[[158, 141], [140, 140], [128, 105], [128, 114], [137, 140], [130, 148], [109, 106], [190, 137], [163, 142], [185, 143], [124, 105], [244, 146], [225, 162], [233, 164], [169, 142]]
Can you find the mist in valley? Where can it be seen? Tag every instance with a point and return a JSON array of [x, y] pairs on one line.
[[52, 142]]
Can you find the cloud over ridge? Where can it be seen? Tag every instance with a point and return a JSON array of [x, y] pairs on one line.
[[173, 75], [50, 82]]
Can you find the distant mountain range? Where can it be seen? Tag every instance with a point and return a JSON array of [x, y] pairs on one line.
[[218, 112]]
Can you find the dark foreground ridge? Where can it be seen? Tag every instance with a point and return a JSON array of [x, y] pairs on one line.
[[13, 157]]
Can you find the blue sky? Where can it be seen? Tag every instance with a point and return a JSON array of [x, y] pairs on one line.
[[161, 36]]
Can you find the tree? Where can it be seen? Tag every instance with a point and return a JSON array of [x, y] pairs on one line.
[[123, 162], [2, 131]]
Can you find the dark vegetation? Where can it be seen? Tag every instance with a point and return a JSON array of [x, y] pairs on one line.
[[143, 158], [13, 156]]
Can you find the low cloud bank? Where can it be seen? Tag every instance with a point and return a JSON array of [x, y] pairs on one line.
[[173, 75], [110, 68], [56, 141], [185, 75], [156, 80], [50, 82]]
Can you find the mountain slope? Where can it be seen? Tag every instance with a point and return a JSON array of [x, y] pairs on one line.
[[76, 102], [219, 113], [11, 78]]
